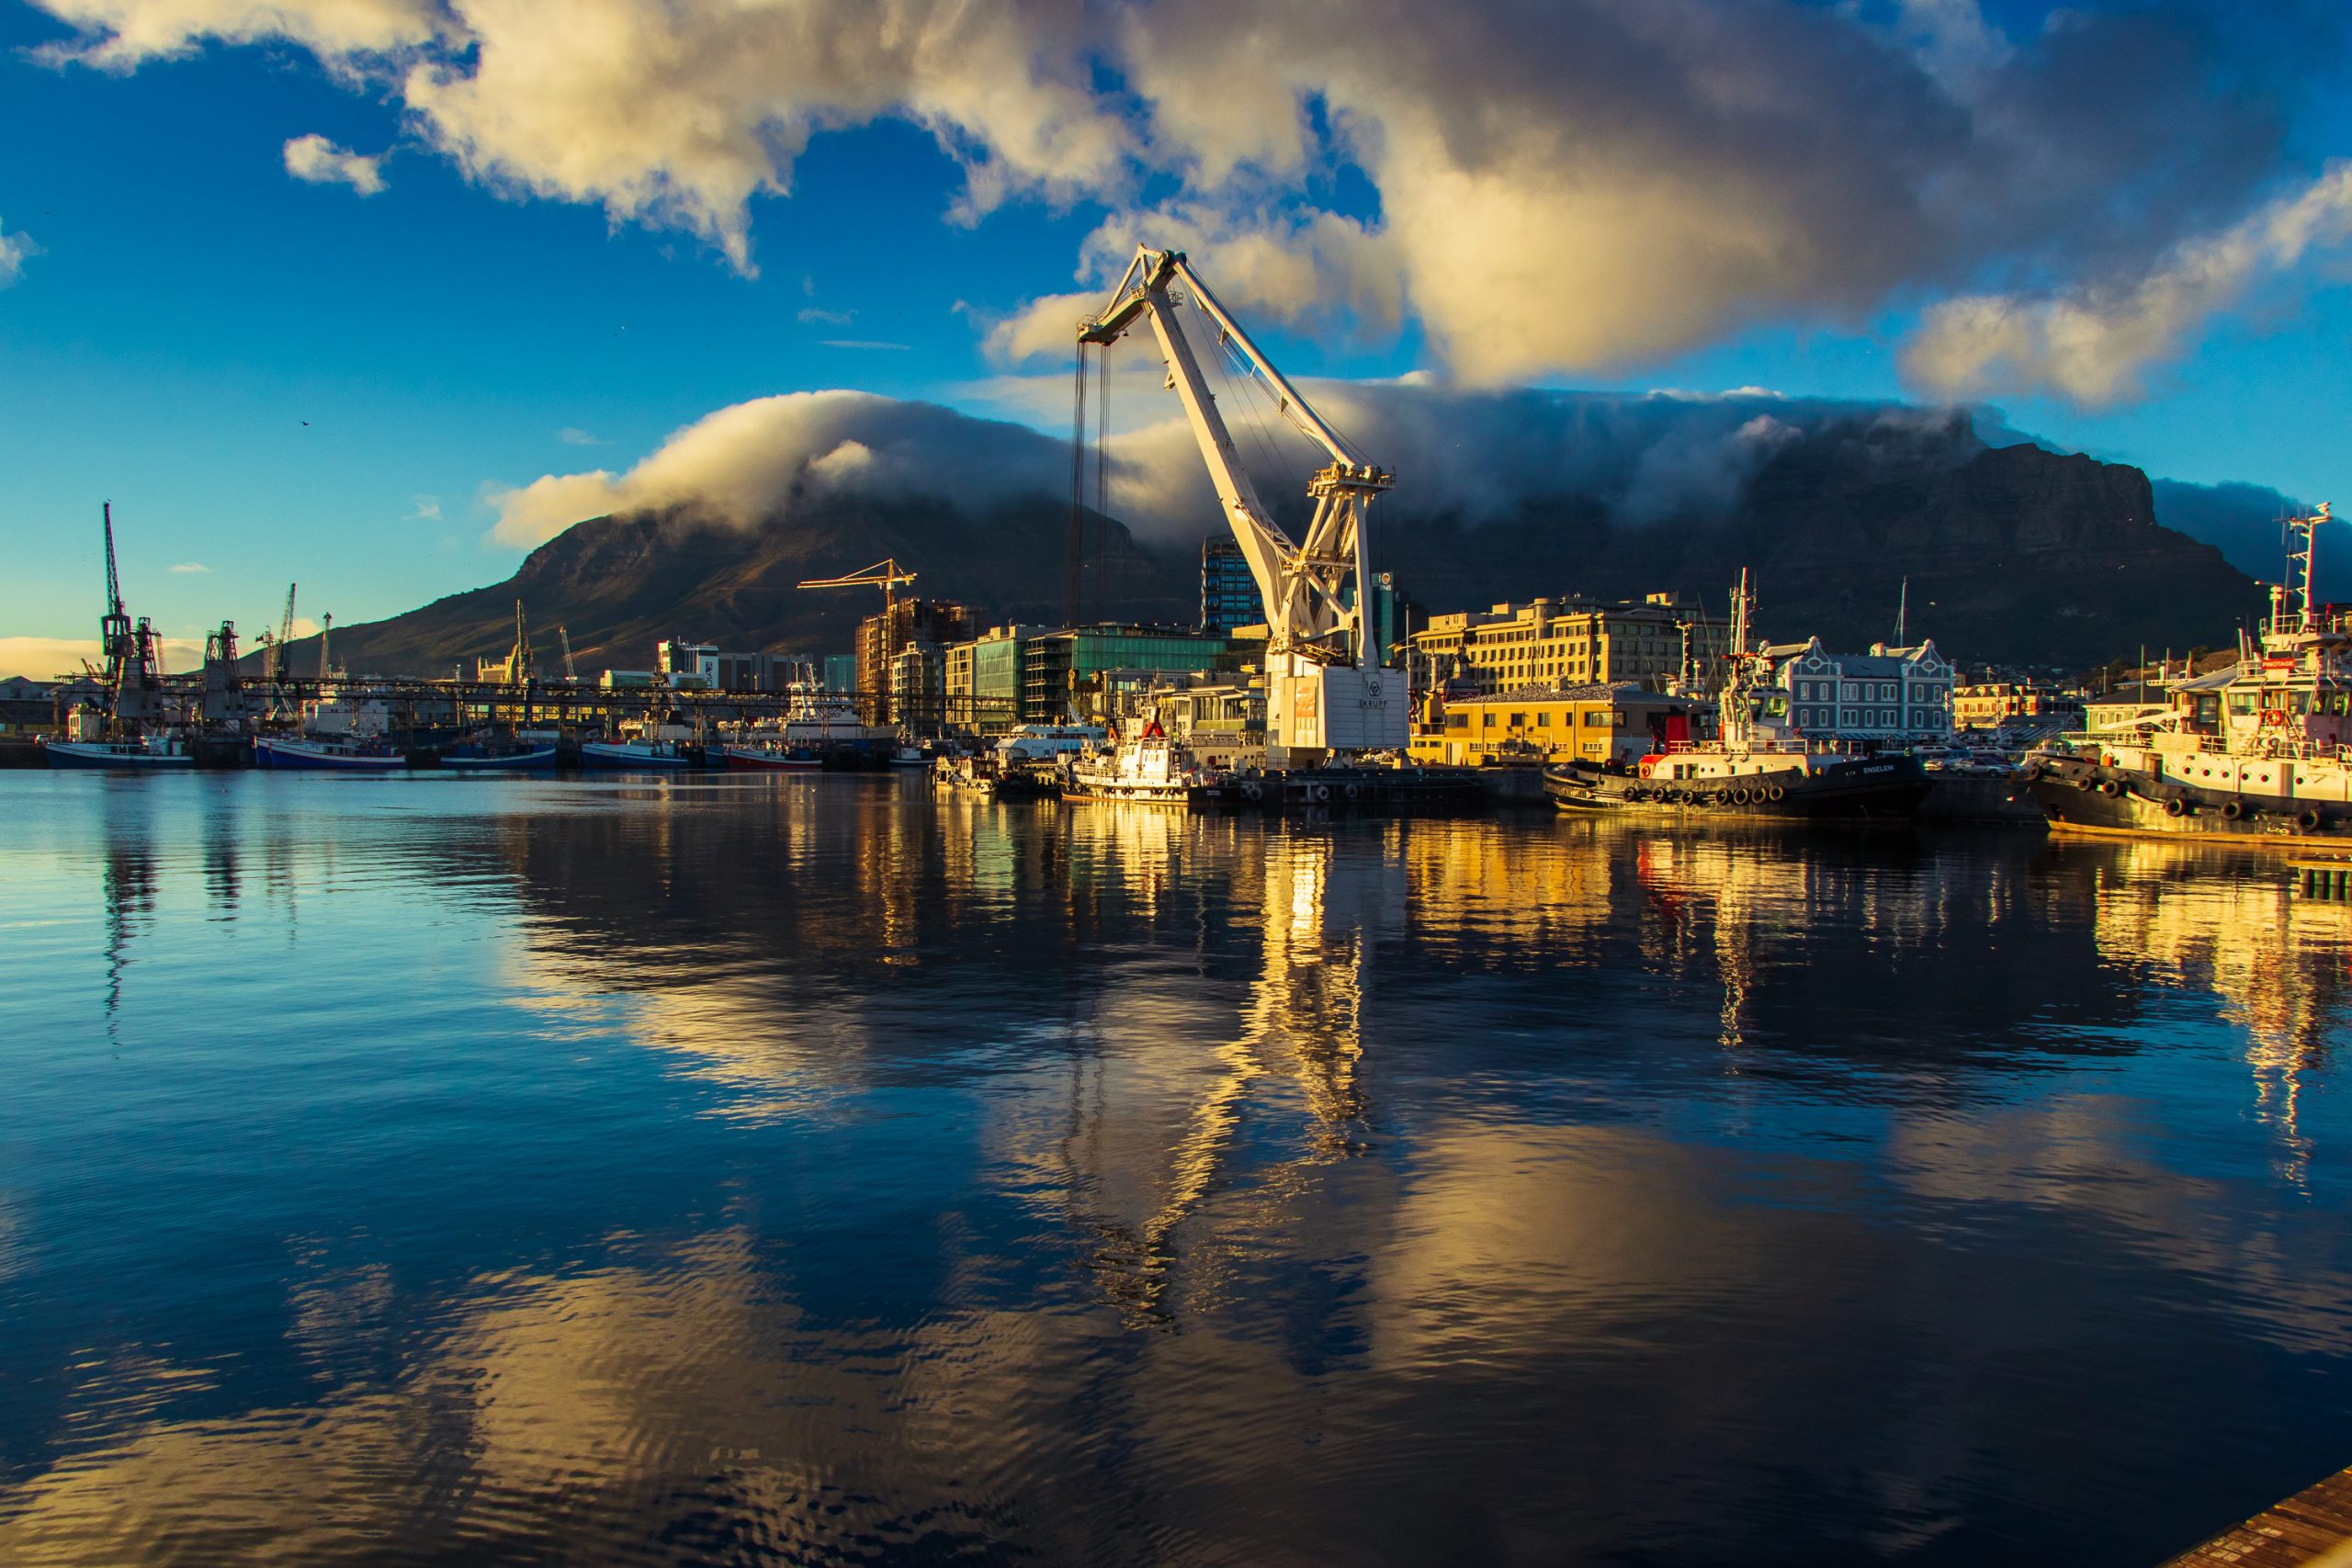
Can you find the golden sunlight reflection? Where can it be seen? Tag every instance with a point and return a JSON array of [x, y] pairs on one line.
[[2275, 960]]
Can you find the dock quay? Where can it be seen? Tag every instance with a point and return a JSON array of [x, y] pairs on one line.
[[2326, 879], [2311, 1529]]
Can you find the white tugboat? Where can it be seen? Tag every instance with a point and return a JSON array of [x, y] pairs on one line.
[[2253, 752], [1145, 766], [1758, 766]]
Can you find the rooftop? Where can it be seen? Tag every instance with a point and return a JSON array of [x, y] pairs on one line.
[[1588, 692]]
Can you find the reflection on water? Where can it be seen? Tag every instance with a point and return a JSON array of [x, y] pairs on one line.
[[806, 1169]]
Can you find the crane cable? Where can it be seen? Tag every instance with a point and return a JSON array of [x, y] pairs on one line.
[[1075, 566], [1101, 484]]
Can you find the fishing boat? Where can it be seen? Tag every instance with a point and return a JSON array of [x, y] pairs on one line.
[[2255, 751], [149, 753], [773, 755], [479, 757], [662, 755], [1146, 767], [323, 755], [1758, 764]]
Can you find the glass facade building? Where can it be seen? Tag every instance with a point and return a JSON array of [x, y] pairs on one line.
[[1229, 595], [1054, 663]]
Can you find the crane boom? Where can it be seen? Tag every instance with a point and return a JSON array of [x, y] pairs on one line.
[[1326, 689]]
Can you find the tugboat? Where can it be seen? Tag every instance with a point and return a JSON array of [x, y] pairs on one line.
[[1147, 767], [1758, 766], [2254, 752]]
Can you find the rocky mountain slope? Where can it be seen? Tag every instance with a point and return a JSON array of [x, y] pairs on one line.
[[2012, 553]]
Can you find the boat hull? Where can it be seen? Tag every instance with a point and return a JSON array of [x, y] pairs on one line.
[[1177, 795], [512, 762], [2086, 797], [308, 757], [1875, 788], [97, 754], [597, 754], [780, 762]]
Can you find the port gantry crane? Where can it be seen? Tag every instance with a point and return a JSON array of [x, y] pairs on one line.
[[1327, 690], [135, 667]]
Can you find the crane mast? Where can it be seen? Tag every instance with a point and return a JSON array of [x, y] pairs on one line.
[[1327, 690]]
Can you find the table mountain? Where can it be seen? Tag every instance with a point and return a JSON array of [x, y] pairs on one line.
[[2013, 554]]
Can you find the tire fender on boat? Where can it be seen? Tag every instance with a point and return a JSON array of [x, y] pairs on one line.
[[2175, 806], [2309, 819], [2110, 786], [2234, 810], [1777, 793]]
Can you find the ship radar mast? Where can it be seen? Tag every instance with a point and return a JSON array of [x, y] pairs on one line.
[[2302, 535]]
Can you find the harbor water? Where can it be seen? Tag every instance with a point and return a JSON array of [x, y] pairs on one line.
[[814, 1168]]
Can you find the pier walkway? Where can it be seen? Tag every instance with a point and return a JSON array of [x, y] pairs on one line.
[[2311, 1529]]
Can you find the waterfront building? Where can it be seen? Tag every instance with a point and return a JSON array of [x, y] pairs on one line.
[[840, 672], [1571, 642], [1888, 696], [908, 621], [1053, 664], [1229, 595], [1584, 721], [1996, 704], [2130, 707]]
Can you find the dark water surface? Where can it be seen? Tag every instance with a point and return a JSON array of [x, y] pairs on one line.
[[806, 1169]]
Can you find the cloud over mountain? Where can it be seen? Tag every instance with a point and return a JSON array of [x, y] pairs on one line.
[[1472, 455], [1541, 186]]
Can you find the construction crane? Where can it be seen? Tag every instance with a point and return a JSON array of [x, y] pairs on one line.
[[518, 658], [564, 637], [889, 576], [1328, 692]]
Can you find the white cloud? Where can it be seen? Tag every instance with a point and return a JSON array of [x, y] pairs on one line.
[[572, 436], [1586, 184], [747, 461], [320, 161], [2092, 345], [428, 509], [829, 317], [190, 568], [14, 250], [860, 343]]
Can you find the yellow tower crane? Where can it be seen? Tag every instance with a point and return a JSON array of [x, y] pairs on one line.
[[887, 575]]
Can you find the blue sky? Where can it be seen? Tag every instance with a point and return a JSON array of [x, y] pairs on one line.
[[277, 380]]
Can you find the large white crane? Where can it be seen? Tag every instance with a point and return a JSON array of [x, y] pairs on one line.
[[1326, 689]]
